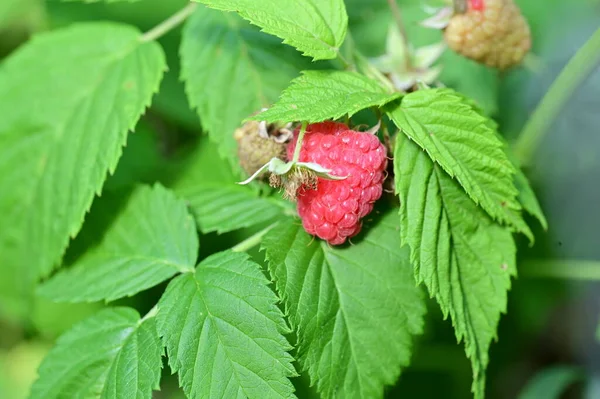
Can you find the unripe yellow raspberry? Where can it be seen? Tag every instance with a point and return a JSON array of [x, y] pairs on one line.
[[258, 143], [492, 32]]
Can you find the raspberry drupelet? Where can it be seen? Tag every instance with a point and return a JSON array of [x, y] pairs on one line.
[[492, 32], [333, 211]]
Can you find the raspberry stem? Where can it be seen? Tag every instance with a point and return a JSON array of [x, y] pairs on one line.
[[386, 133], [400, 25], [170, 23], [152, 312], [572, 76], [299, 142], [252, 241]]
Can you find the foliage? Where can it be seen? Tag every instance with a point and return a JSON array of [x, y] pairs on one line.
[[333, 298], [176, 260]]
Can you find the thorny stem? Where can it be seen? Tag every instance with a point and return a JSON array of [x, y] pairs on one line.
[[170, 23], [252, 241], [299, 143], [400, 25]]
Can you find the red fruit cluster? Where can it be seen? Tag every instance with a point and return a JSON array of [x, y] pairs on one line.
[[333, 211]]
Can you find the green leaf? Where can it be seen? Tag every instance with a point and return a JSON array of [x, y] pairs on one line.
[[355, 309], [232, 71], [224, 207], [460, 139], [100, 1], [315, 27], [151, 240], [69, 97], [526, 196], [18, 11], [198, 164], [319, 95], [223, 331], [551, 383], [464, 259], [112, 354], [218, 203]]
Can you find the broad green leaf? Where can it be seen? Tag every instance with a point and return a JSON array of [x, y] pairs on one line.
[[526, 196], [355, 309], [231, 71], [69, 98], [552, 382], [10, 10], [315, 27], [223, 331], [219, 204], [151, 240], [462, 142], [198, 164], [100, 1], [319, 95], [464, 259], [224, 207], [113, 354]]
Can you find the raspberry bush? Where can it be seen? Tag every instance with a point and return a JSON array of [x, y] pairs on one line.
[[263, 199]]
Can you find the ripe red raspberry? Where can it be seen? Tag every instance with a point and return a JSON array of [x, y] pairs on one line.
[[333, 210], [492, 32]]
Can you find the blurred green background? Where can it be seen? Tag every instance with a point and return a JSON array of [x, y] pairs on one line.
[[548, 336]]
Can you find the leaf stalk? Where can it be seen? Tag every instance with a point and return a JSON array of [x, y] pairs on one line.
[[397, 14], [299, 143], [253, 240], [170, 23]]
